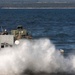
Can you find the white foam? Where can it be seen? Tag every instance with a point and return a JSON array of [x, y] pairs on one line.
[[36, 55]]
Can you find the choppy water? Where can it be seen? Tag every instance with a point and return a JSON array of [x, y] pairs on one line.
[[56, 24]]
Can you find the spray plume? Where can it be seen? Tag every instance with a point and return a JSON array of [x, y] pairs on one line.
[[36, 55]]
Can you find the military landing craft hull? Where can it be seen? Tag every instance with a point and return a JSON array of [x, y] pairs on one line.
[[7, 40]]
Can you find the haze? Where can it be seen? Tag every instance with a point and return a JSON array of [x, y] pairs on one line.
[[21, 1]]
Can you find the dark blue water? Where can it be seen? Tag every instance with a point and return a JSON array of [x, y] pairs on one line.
[[55, 24]]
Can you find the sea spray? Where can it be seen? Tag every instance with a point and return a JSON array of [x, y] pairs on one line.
[[37, 55]]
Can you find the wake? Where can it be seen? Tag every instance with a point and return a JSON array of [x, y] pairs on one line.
[[35, 56]]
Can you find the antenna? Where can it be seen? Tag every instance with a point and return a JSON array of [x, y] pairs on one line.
[[1, 28]]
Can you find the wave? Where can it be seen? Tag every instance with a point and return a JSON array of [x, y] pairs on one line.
[[38, 55]]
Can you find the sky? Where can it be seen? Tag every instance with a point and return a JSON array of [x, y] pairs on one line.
[[4, 1]]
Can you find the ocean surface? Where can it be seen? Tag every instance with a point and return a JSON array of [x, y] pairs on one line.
[[56, 24]]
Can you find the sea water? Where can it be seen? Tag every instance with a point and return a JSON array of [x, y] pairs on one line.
[[52, 30]]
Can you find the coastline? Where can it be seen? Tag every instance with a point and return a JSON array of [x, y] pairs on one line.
[[38, 6]]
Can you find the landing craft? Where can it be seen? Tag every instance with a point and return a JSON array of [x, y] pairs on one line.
[[7, 40]]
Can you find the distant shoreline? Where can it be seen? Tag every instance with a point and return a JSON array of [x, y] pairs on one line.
[[39, 6]]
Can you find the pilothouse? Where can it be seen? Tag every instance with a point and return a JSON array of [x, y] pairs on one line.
[[8, 39]]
